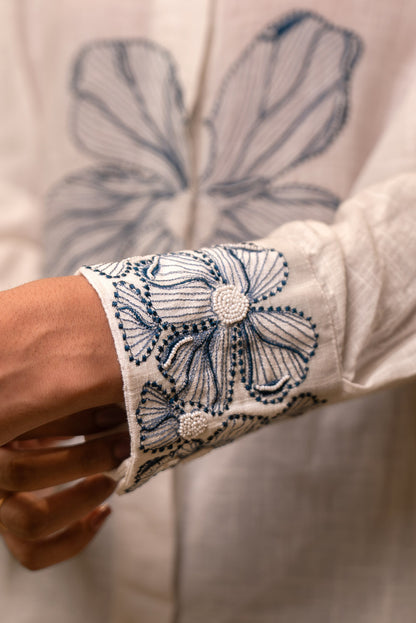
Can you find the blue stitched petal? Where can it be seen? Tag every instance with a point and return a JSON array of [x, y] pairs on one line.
[[283, 101], [201, 366], [287, 329], [254, 217], [140, 328], [186, 354], [189, 448], [175, 269], [266, 270], [165, 434], [104, 213], [302, 403], [160, 463], [153, 466], [154, 408], [236, 426], [191, 302], [221, 348], [180, 287], [230, 268], [319, 202], [211, 372], [129, 107], [276, 348], [113, 269]]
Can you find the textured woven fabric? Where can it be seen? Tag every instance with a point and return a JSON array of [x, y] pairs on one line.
[[141, 129]]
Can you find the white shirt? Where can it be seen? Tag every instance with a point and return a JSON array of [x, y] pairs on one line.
[[309, 519]]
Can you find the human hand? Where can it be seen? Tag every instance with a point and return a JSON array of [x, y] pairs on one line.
[[57, 358], [57, 354], [43, 528]]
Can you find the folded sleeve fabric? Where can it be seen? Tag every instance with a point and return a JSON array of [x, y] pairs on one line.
[[217, 342]]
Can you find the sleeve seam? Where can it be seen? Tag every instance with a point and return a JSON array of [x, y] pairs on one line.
[[328, 308]]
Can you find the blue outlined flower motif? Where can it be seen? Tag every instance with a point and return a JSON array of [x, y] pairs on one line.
[[213, 307], [238, 425], [164, 421], [284, 101], [158, 415], [128, 114]]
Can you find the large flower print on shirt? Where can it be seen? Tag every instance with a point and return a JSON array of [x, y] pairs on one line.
[[283, 102]]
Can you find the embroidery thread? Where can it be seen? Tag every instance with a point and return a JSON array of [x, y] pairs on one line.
[[211, 308], [230, 429], [128, 114], [208, 317]]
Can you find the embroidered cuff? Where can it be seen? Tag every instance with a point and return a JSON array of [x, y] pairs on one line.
[[211, 347]]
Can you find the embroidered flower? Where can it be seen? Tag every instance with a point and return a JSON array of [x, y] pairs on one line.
[[159, 415], [284, 101], [159, 463], [214, 308], [164, 421], [238, 425]]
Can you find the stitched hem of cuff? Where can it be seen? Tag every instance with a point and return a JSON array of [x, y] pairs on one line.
[[124, 473]]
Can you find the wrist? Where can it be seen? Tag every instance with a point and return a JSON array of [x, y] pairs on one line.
[[57, 354], [96, 375], [70, 361]]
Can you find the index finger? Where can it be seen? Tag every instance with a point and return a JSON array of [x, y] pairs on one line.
[[32, 470], [86, 422]]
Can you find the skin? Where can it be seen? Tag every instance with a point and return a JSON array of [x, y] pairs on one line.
[[59, 378]]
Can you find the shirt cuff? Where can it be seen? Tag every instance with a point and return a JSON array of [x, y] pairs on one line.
[[214, 344]]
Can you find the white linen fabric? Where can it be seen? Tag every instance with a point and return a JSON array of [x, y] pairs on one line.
[[230, 359], [198, 123]]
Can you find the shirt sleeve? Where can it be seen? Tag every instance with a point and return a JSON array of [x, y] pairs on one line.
[[217, 342]]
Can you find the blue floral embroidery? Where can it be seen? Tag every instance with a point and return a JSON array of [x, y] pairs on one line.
[[158, 418], [129, 115], [214, 310], [238, 425], [158, 415], [139, 324], [294, 82], [156, 464]]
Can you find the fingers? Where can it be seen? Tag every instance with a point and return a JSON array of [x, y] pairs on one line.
[[43, 531], [35, 555], [86, 422], [31, 470], [31, 518]]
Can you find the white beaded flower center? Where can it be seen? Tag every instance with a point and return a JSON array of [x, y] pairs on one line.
[[192, 424], [230, 304]]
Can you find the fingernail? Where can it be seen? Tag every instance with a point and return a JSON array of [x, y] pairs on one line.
[[122, 449], [110, 417], [99, 517]]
